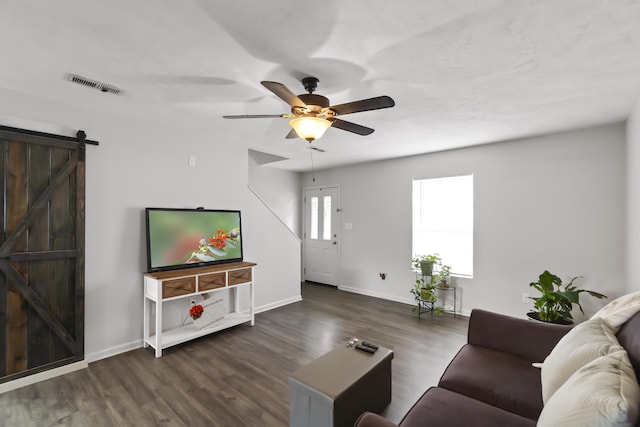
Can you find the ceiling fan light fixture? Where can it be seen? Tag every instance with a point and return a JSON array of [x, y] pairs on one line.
[[310, 128]]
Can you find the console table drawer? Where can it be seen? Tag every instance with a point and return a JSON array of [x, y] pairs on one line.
[[237, 277], [211, 281], [175, 287]]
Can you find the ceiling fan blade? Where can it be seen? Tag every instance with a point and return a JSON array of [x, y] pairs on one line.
[[255, 116], [284, 93], [292, 134], [364, 105], [350, 127]]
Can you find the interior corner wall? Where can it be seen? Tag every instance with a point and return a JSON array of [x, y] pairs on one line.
[[122, 181], [633, 200], [551, 202], [281, 190]]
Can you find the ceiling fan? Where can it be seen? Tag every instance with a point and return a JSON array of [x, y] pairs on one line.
[[312, 114]]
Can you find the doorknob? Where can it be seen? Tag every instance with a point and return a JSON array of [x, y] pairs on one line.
[[334, 243]]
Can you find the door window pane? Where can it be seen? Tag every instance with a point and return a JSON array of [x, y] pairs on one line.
[[314, 218], [326, 231]]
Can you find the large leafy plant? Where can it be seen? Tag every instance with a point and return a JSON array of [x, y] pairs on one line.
[[556, 300]]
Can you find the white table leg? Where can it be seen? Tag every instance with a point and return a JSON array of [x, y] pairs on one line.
[[158, 329], [251, 302], [145, 332]]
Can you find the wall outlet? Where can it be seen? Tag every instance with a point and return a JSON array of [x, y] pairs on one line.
[[525, 298]]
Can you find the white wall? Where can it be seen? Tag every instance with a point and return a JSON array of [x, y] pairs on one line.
[[633, 200], [127, 173], [552, 202], [140, 164]]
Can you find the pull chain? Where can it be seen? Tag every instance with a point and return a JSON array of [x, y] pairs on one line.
[[313, 173]]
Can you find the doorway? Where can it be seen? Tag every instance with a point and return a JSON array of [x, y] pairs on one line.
[[321, 238]]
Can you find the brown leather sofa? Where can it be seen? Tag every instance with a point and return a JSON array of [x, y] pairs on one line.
[[491, 381]]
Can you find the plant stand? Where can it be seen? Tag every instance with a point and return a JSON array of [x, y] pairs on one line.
[[445, 307], [425, 306]]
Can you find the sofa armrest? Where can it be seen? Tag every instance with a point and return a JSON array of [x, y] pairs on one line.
[[369, 419], [530, 339]]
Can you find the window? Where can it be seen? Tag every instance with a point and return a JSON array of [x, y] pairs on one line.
[[443, 221]]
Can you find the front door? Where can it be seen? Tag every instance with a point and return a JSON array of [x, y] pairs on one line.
[[321, 235]]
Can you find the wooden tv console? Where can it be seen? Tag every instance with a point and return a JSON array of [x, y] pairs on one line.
[[166, 286]]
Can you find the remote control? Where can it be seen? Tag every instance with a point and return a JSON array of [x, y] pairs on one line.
[[368, 344], [365, 348]]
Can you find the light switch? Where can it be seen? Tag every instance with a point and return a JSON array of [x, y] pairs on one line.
[[192, 160], [348, 226]]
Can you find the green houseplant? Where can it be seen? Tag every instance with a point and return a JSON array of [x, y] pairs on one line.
[[444, 276], [556, 300], [426, 263], [424, 292]]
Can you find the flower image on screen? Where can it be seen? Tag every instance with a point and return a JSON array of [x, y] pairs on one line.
[[179, 237]]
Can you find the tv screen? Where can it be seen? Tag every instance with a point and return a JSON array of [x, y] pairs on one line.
[[180, 238]]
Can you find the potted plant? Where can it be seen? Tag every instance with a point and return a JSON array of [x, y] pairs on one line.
[[556, 300], [444, 276], [424, 292], [426, 263]]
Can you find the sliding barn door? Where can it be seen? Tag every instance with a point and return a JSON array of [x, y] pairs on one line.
[[41, 253]]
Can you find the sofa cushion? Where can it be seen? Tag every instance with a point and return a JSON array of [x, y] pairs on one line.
[[629, 337], [369, 419], [602, 393], [497, 378], [522, 337], [583, 344], [621, 309], [439, 407]]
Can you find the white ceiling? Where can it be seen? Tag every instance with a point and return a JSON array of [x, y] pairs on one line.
[[462, 72]]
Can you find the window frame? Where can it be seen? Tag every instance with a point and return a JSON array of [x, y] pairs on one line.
[[464, 229]]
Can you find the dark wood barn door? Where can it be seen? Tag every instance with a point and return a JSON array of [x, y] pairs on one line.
[[41, 252]]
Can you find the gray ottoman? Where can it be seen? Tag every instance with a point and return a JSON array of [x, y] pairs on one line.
[[333, 390]]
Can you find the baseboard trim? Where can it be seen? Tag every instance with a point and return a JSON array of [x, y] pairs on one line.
[[277, 304], [113, 351], [408, 301], [43, 376], [465, 313]]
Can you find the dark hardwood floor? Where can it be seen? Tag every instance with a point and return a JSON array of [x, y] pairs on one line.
[[238, 377]]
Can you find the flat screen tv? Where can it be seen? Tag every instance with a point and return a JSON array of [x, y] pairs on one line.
[[181, 238]]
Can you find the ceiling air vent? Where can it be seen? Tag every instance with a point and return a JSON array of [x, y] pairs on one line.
[[102, 87]]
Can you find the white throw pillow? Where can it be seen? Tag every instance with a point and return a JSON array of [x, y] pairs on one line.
[[603, 393], [581, 345], [621, 309]]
